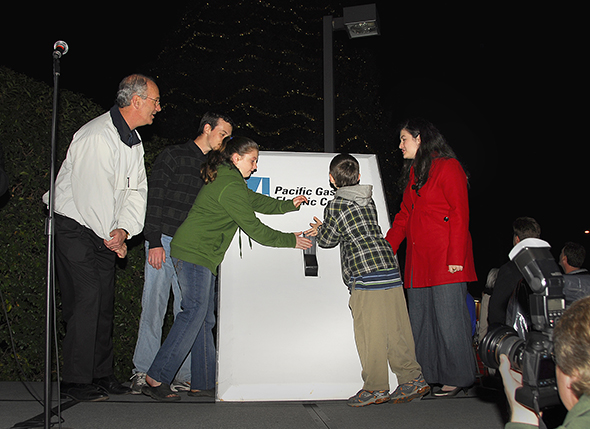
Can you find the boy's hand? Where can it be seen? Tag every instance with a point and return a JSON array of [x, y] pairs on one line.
[[300, 199], [313, 231]]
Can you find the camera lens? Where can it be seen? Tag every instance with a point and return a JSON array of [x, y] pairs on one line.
[[501, 340]]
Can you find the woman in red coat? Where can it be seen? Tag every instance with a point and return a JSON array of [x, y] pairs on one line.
[[434, 221]]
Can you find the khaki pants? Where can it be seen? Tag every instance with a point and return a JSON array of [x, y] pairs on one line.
[[383, 336]]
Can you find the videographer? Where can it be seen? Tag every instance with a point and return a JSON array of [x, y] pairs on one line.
[[571, 339]]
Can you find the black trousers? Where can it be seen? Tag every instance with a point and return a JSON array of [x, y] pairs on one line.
[[85, 270]]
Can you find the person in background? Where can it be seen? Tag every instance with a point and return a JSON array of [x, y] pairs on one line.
[[100, 201], [509, 275], [174, 183], [223, 205], [571, 338], [434, 221], [381, 324], [576, 279]]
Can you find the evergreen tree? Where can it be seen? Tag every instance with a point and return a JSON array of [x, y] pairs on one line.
[[261, 62]]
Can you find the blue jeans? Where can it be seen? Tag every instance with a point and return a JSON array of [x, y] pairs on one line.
[[192, 330], [154, 303]]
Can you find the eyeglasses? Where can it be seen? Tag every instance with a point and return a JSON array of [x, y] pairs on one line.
[[155, 100]]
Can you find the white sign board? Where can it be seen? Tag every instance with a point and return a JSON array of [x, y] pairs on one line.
[[282, 335]]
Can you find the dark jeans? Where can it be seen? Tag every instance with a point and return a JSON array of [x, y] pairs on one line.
[[442, 331], [86, 274]]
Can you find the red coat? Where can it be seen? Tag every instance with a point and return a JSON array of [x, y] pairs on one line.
[[435, 225]]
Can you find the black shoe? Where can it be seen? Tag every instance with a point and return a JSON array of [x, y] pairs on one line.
[[82, 392], [109, 384], [450, 393]]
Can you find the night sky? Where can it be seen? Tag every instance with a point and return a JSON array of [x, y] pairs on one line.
[[504, 86]]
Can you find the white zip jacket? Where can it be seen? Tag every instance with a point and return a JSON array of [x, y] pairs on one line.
[[102, 183]]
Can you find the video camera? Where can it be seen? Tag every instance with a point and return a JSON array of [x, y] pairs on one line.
[[533, 356]]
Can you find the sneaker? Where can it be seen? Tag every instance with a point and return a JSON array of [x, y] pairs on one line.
[[137, 382], [180, 386], [367, 397], [413, 389]]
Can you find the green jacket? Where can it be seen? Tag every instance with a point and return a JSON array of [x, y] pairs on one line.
[[577, 418], [220, 208]]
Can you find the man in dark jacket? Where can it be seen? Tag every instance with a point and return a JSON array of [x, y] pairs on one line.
[[576, 279], [509, 276]]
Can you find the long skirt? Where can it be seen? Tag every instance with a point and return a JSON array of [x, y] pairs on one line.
[[442, 332]]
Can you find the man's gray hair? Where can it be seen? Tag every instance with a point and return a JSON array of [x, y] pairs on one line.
[[136, 84]]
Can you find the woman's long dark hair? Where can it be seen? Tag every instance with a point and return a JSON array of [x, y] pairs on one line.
[[229, 146], [432, 145]]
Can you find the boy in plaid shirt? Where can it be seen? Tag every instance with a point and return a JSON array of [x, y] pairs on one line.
[[381, 324]]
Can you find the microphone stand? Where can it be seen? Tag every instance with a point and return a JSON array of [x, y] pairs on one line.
[[50, 249]]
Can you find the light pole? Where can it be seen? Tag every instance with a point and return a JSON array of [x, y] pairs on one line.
[[358, 21]]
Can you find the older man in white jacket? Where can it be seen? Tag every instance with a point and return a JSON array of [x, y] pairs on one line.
[[100, 201]]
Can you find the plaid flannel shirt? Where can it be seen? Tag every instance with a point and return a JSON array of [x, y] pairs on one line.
[[363, 249]]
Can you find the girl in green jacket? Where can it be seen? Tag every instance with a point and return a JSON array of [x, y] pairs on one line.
[[198, 247]]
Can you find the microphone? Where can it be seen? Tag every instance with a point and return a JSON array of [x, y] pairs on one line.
[[60, 48]]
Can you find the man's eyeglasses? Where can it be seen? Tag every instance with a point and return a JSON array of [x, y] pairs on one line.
[[155, 100]]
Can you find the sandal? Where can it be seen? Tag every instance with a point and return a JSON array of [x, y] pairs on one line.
[[161, 393], [210, 393]]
